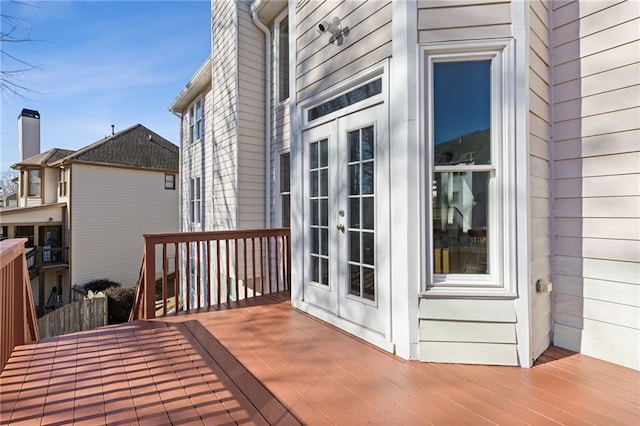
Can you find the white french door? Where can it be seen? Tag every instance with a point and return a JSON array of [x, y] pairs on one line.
[[346, 218]]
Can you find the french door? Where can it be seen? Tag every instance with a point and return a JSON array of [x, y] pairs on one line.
[[346, 218]]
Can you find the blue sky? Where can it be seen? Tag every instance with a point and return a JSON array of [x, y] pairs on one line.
[[101, 63]]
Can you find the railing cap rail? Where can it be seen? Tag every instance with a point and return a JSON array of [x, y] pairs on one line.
[[182, 237], [10, 249]]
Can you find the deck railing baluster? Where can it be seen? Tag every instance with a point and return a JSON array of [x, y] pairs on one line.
[[235, 266]]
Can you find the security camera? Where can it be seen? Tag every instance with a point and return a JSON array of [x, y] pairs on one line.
[[332, 26]]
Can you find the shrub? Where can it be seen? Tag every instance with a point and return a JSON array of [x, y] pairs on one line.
[[120, 300], [99, 285]]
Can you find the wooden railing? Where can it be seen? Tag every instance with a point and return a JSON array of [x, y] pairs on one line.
[[197, 270], [18, 323]]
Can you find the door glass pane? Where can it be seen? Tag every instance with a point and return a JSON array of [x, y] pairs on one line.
[[367, 143], [368, 283], [319, 211], [354, 280], [354, 246], [367, 178], [354, 179], [462, 112], [361, 241], [460, 213], [354, 213], [353, 140]]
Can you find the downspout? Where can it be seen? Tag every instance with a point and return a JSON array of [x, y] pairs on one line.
[[267, 118]]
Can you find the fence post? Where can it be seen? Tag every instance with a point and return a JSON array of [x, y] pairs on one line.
[[150, 279]]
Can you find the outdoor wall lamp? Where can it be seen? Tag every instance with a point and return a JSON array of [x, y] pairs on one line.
[[332, 26]]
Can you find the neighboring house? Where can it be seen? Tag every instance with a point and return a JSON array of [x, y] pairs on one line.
[[463, 177], [84, 212]]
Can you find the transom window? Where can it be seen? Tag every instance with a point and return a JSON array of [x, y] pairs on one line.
[[346, 99]]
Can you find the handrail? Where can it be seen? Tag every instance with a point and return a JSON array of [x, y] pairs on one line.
[[19, 324], [210, 268]]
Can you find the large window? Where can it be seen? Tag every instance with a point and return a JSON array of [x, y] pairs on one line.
[[194, 200], [196, 121], [33, 183], [281, 26], [169, 181], [284, 190], [467, 139], [25, 232]]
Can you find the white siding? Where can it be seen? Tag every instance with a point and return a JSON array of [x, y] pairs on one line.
[[222, 169], [319, 64], [539, 174], [111, 208], [251, 122], [596, 187], [468, 331], [50, 182], [447, 20]]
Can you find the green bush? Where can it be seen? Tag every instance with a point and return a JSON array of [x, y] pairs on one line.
[[99, 285], [120, 300]]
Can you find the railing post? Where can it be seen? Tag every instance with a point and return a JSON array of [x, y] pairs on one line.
[[19, 332], [150, 279]]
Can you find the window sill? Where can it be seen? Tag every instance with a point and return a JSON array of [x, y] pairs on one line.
[[468, 292]]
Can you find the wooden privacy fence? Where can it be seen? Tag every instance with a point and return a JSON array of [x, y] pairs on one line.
[[197, 270], [77, 316], [17, 314]]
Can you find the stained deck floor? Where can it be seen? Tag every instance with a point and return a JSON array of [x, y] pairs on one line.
[[266, 363]]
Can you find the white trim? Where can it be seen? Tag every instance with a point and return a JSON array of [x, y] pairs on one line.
[[501, 281], [363, 77], [404, 197]]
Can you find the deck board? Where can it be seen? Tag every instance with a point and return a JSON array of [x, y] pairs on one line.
[[262, 362]]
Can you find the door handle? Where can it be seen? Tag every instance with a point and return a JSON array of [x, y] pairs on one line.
[[340, 227]]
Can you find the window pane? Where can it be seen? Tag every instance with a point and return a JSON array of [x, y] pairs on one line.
[[354, 179], [368, 248], [462, 112], [286, 214], [367, 143], [354, 213], [315, 269], [353, 140], [315, 240], [368, 283], [324, 183], [460, 212], [354, 246], [314, 183], [324, 212], [314, 213], [367, 178], [325, 271], [285, 184], [324, 155], [283, 59], [367, 213], [313, 158], [324, 241]]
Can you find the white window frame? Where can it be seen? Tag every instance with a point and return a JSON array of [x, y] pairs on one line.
[[196, 124], [280, 192], [501, 238], [276, 58], [195, 201]]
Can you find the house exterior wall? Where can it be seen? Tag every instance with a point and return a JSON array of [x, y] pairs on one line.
[[106, 238], [251, 122], [453, 329], [319, 64], [596, 187], [540, 173], [224, 164], [50, 182]]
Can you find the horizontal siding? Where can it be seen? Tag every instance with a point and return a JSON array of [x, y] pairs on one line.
[[468, 331], [463, 20], [320, 64], [539, 173], [222, 170], [111, 209]]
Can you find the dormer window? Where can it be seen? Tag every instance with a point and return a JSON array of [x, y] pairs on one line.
[[63, 185]]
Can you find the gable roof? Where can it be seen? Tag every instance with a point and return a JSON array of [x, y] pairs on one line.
[[136, 146]]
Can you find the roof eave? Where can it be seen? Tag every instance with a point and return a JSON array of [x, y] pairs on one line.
[[196, 84], [268, 10]]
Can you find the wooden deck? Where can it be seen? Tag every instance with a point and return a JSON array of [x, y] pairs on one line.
[[266, 363]]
